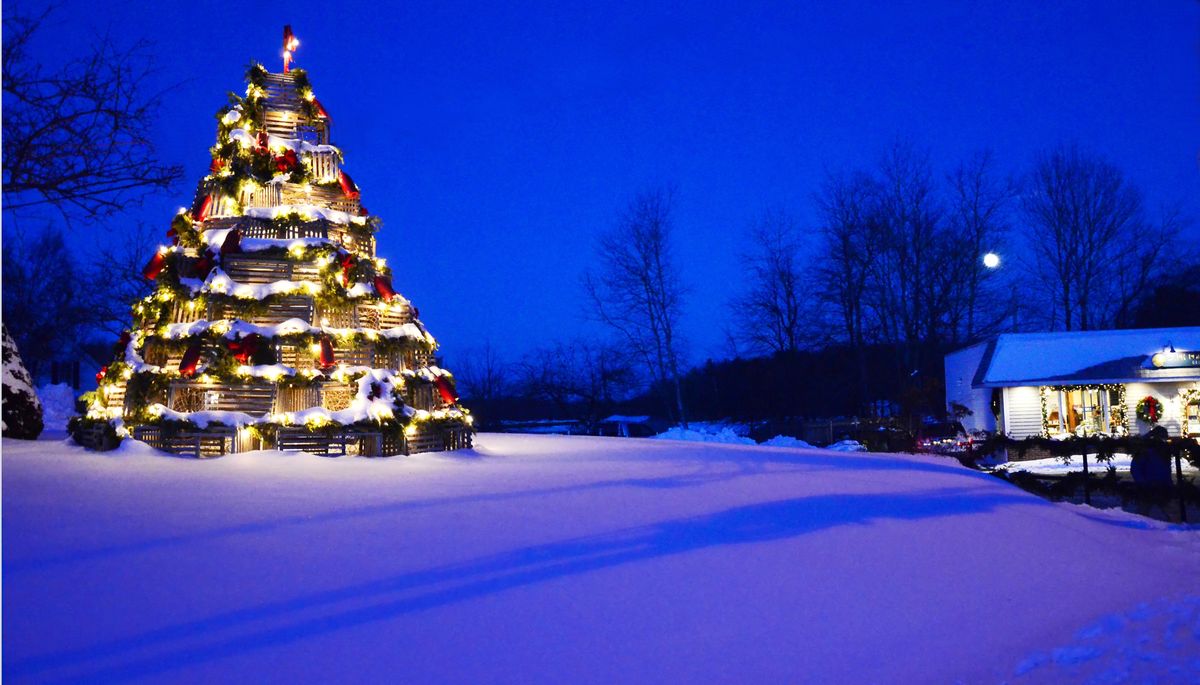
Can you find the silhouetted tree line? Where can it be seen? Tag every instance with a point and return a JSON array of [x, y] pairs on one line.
[[853, 316]]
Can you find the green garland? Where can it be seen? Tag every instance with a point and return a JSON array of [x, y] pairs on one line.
[[1118, 388], [1103, 448]]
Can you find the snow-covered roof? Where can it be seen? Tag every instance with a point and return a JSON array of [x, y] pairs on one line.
[[618, 418], [1119, 356]]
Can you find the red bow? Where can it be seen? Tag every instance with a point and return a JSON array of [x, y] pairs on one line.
[[286, 162], [245, 348]]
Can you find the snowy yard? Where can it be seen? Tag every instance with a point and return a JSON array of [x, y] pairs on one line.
[[545, 559]]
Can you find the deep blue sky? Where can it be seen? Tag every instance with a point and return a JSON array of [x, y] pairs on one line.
[[497, 139]]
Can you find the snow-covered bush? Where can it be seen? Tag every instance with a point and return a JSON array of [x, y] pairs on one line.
[[22, 413], [58, 405]]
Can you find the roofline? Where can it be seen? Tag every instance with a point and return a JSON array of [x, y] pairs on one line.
[[1082, 381]]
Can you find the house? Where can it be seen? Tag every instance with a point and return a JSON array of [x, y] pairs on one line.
[[1079, 382]]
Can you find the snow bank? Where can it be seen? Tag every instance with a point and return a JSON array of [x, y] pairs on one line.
[[787, 441], [724, 435], [58, 405], [540, 559], [847, 446]]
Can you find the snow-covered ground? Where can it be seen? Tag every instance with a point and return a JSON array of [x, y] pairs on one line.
[[547, 559], [1055, 466]]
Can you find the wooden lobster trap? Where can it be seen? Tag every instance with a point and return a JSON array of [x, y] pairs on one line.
[[254, 398], [250, 268], [282, 309]]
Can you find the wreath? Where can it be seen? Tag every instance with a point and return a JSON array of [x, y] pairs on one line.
[[1149, 410]]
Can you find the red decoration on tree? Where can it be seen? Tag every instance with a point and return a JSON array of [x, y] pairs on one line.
[[122, 343], [173, 235], [232, 243], [287, 162], [362, 211], [155, 266], [327, 360], [383, 286], [349, 189], [263, 141], [348, 262], [202, 207], [245, 348], [216, 165], [191, 359], [445, 389], [203, 264], [320, 109], [101, 373], [290, 43]]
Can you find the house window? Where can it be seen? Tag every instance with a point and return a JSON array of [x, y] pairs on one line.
[[1084, 410]]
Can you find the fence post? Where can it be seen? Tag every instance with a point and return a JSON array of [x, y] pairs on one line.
[[1087, 480], [1179, 488]]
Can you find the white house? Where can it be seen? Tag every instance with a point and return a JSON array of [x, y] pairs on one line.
[[1083, 382]]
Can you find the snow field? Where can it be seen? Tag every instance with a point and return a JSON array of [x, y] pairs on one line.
[[546, 559]]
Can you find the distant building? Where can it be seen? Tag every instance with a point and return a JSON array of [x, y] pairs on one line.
[[629, 426], [1078, 383]]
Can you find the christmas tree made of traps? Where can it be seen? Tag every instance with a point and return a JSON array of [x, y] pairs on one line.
[[272, 322]]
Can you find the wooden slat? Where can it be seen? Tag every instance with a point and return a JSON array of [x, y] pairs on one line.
[[354, 355], [328, 197], [290, 307], [247, 268], [250, 398], [297, 398], [323, 166], [268, 195]]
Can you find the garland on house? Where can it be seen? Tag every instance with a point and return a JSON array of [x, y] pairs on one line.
[[1149, 410], [1045, 392], [196, 335], [1188, 397], [1102, 447]]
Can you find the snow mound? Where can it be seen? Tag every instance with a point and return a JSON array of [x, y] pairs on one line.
[[786, 441], [847, 446], [725, 435], [58, 405]]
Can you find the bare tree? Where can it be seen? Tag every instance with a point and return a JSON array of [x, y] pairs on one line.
[[481, 374], [846, 258], [581, 378], [638, 291], [771, 311], [76, 136], [979, 204], [1094, 250], [908, 265], [115, 276], [849, 247]]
